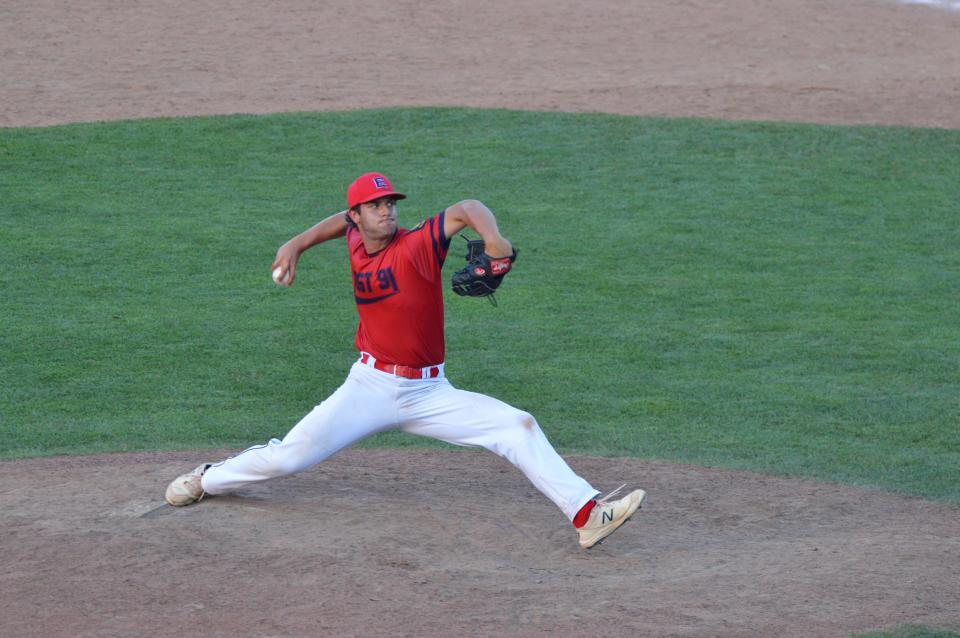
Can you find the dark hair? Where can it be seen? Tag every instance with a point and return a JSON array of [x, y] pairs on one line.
[[350, 222]]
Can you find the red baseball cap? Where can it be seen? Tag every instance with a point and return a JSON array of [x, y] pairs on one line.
[[368, 187]]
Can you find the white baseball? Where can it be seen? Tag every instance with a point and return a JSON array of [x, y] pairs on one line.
[[276, 276]]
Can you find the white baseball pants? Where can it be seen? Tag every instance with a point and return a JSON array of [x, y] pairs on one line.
[[371, 401]]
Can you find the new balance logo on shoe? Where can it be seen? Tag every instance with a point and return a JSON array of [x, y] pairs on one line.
[[608, 515]]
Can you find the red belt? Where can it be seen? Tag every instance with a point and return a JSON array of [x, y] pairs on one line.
[[407, 372]]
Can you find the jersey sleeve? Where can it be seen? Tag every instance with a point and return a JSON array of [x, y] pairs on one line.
[[429, 245], [352, 236]]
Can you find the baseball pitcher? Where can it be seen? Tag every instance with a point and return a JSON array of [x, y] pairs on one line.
[[398, 380]]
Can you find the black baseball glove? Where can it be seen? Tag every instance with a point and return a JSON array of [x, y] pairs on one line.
[[483, 273]]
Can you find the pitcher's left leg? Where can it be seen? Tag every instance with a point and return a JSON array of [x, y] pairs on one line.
[[469, 418]]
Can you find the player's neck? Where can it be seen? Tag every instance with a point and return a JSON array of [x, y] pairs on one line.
[[375, 244]]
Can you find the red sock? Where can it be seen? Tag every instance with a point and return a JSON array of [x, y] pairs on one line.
[[581, 518]]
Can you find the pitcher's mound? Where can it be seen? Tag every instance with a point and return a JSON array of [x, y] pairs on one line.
[[451, 543]]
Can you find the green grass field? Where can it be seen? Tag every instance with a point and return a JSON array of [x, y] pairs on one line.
[[774, 297], [912, 631]]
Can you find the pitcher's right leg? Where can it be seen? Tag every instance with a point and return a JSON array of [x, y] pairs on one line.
[[363, 405]]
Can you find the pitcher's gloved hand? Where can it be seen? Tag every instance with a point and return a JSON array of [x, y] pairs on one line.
[[483, 274]]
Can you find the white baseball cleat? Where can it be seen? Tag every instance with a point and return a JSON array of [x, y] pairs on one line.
[[606, 516], [186, 488]]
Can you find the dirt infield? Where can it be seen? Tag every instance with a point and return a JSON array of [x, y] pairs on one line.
[[457, 543], [387, 543], [832, 61]]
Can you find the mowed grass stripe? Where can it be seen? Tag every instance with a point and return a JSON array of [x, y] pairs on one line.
[[774, 297]]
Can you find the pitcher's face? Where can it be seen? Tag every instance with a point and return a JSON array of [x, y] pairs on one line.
[[377, 219]]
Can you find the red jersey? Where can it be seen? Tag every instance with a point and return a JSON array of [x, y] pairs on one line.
[[399, 294]]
